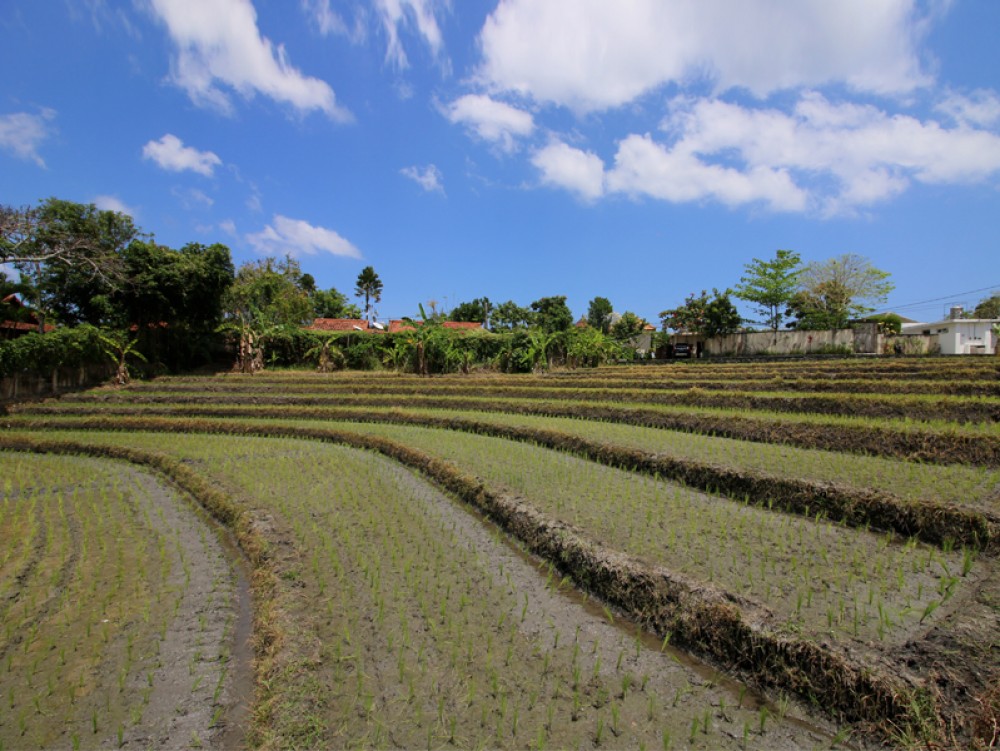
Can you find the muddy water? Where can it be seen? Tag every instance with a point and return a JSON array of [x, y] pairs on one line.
[[554, 611]]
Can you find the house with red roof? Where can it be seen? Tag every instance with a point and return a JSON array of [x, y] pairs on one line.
[[27, 321]]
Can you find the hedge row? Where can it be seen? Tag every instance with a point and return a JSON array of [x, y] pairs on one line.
[[40, 354]]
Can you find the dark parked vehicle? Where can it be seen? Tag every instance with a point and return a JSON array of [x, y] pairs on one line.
[[682, 350]]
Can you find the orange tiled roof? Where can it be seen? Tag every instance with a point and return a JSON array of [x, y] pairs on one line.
[[339, 324], [397, 325]]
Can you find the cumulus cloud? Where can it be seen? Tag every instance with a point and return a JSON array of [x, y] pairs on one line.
[[21, 133], [592, 55], [566, 167], [429, 178], [219, 46], [490, 119], [398, 14], [171, 154], [295, 237], [822, 157], [113, 203]]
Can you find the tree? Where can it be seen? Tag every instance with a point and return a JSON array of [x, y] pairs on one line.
[[770, 286], [988, 307], [332, 303], [265, 295], [477, 311], [709, 316], [71, 256], [551, 314], [599, 314], [627, 327], [369, 286], [508, 316], [832, 292], [65, 233]]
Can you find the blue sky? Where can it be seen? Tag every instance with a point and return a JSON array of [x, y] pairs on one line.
[[634, 149]]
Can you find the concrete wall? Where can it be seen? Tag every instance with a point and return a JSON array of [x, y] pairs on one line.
[[785, 343]]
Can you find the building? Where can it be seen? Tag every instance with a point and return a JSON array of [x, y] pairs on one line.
[[956, 335], [26, 322]]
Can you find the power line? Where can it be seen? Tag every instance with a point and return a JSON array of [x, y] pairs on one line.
[[950, 297]]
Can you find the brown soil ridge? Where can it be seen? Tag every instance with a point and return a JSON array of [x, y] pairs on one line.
[[843, 404], [935, 523], [700, 617]]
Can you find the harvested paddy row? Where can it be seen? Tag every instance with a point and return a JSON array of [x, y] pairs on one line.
[[431, 630], [644, 389], [116, 609], [952, 408]]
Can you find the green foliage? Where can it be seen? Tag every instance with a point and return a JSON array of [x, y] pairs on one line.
[[627, 327], [988, 307], [40, 354], [770, 285], [331, 303], [710, 316], [266, 293], [599, 313], [477, 311], [509, 316], [551, 314], [888, 323]]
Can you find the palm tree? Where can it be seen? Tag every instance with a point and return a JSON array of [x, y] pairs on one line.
[[368, 286]]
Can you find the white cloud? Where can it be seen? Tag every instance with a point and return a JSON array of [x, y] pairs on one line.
[[397, 14], [643, 166], [822, 157], [192, 198], [491, 120], [578, 171], [870, 154], [113, 203], [219, 45], [429, 178], [21, 133], [295, 237], [981, 107], [593, 54], [229, 227], [171, 154]]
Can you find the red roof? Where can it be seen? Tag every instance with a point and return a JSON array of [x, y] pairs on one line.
[[22, 326]]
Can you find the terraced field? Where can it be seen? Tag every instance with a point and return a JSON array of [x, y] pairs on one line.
[[817, 538]]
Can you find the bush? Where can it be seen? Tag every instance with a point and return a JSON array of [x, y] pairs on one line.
[[40, 354]]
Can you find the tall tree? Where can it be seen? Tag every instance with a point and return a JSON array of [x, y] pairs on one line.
[[628, 326], [770, 286], [834, 291], [552, 314], [369, 286], [332, 303], [599, 314]]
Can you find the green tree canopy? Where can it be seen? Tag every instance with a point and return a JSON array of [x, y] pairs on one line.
[[832, 292], [508, 316], [476, 311], [770, 286], [708, 315], [266, 293], [626, 327], [369, 286], [551, 314], [988, 307], [332, 303], [599, 313]]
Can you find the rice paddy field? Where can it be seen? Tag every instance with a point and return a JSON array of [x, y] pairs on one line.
[[699, 555]]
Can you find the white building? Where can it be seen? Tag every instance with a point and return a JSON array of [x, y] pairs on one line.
[[958, 336]]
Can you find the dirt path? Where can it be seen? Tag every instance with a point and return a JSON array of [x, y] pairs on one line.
[[196, 681]]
